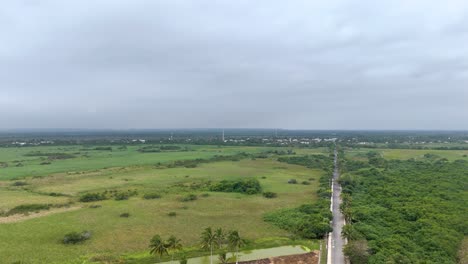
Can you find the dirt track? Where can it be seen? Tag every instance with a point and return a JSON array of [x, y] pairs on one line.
[[307, 258]]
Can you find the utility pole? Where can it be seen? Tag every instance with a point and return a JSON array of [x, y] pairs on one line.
[[223, 135]]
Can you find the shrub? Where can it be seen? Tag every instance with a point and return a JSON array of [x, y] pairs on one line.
[[126, 215], [149, 196], [75, 237], [103, 148], [205, 195], [95, 206], [172, 214], [19, 183], [121, 196], [26, 208], [263, 177], [189, 197], [249, 186], [306, 183], [269, 195], [292, 181], [92, 197]]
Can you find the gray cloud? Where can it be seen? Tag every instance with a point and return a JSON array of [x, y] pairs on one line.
[[293, 64]]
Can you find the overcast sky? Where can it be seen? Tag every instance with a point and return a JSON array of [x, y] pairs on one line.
[[396, 64]]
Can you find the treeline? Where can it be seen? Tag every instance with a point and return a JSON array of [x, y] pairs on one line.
[[195, 162], [152, 148], [310, 161], [405, 211]]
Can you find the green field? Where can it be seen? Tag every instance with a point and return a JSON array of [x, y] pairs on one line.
[[404, 154], [38, 239]]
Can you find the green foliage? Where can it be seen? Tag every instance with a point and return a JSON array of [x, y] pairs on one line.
[[92, 197], [50, 156], [103, 148], [75, 237], [126, 215], [172, 214], [270, 195], [411, 212], [357, 251], [149, 196], [310, 161], [217, 158], [307, 221], [292, 181], [27, 208], [189, 197], [19, 183], [246, 186]]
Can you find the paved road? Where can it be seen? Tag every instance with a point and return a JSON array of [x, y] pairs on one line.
[[336, 243]]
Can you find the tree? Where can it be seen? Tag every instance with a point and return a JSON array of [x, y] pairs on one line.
[[357, 251], [235, 242], [173, 244], [220, 238], [207, 240], [158, 246]]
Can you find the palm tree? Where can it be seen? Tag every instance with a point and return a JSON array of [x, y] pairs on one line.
[[235, 242], [173, 244], [158, 246], [207, 239], [220, 237]]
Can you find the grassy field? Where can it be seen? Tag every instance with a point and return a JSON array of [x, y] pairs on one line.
[[15, 162], [37, 240], [360, 154]]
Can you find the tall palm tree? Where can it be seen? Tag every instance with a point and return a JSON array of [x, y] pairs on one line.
[[220, 238], [173, 244], [235, 242], [207, 240], [158, 246]]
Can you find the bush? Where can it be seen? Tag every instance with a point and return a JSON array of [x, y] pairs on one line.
[[270, 195], [205, 195], [75, 237], [306, 183], [92, 197], [19, 183], [126, 215], [292, 181], [103, 148], [121, 196], [26, 208], [94, 206], [249, 186], [149, 196], [189, 197], [172, 214]]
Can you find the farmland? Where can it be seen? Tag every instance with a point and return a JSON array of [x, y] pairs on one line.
[[61, 183]]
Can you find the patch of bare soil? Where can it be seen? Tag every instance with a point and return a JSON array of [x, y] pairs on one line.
[[20, 217], [307, 258]]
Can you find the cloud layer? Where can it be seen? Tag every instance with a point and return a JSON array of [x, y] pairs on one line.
[[182, 64]]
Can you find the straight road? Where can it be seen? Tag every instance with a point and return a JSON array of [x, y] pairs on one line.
[[335, 241]]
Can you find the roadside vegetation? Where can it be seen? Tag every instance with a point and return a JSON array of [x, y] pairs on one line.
[[404, 211]]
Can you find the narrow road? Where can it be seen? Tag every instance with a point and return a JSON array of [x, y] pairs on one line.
[[335, 241]]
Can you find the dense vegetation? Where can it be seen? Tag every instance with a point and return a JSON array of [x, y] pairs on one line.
[[246, 186], [310, 161], [405, 211]]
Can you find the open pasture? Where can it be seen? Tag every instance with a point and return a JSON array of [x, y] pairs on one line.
[[117, 236]]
